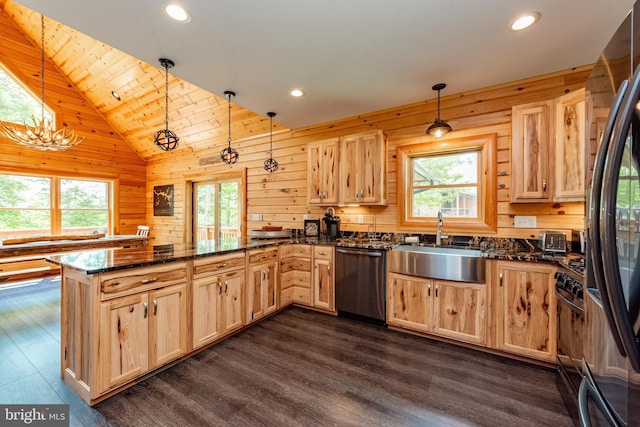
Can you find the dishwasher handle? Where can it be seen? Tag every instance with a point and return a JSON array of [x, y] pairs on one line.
[[359, 252]]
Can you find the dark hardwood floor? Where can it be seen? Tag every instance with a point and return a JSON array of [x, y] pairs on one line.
[[299, 368]]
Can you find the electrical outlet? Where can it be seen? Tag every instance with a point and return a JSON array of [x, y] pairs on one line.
[[305, 216], [520, 221], [412, 239], [256, 217], [360, 219]]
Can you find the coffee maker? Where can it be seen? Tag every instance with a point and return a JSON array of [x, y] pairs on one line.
[[331, 224]]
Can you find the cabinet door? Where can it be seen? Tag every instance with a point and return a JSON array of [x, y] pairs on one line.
[[123, 340], [363, 168], [531, 150], [323, 173], [167, 324], [207, 293], [526, 309], [460, 311], [323, 284], [261, 290], [570, 147], [232, 301], [409, 302]]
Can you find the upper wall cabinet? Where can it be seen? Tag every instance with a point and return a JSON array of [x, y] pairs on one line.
[[570, 153], [348, 170], [547, 151], [323, 172], [530, 152], [363, 169]]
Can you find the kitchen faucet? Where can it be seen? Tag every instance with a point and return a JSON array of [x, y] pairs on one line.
[[439, 234]]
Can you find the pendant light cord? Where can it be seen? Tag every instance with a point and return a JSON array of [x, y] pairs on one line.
[[166, 96], [42, 66], [438, 104], [271, 136], [229, 137]]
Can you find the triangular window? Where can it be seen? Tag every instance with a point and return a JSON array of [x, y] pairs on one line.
[[17, 103]]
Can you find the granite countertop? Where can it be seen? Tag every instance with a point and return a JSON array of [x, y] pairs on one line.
[[94, 262]]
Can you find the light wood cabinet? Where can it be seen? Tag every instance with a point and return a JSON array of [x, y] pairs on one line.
[[323, 172], [261, 283], [363, 169], [295, 274], [218, 297], [531, 133], [570, 141], [141, 332], [323, 278], [455, 310], [526, 313], [548, 150]]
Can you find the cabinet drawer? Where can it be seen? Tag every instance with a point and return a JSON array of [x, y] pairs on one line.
[[302, 251], [141, 279], [295, 264], [214, 265], [302, 295], [323, 252], [286, 297], [257, 256]]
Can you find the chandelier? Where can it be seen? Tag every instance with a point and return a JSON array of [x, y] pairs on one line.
[[229, 155], [42, 135]]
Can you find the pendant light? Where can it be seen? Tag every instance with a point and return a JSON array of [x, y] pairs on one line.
[[166, 139], [229, 155], [42, 135], [271, 165], [439, 127]]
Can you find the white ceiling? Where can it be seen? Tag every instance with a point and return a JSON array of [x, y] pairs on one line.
[[349, 56]]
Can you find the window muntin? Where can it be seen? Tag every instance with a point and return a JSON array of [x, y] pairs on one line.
[[423, 187], [447, 183], [32, 205]]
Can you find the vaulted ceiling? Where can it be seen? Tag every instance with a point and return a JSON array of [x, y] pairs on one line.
[[351, 57]]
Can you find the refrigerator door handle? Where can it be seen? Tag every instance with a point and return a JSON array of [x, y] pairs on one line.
[[595, 214], [611, 265]]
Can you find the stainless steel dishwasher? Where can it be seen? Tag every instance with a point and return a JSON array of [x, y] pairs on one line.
[[361, 284]]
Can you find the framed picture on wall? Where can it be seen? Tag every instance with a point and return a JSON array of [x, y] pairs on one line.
[[312, 228], [163, 200]]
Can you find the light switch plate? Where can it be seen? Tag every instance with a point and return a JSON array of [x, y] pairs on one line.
[[360, 219], [256, 217], [520, 221]]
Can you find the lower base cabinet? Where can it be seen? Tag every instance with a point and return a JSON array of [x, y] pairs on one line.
[[526, 310], [262, 283], [454, 310], [141, 332]]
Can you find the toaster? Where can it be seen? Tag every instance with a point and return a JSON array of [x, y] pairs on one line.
[[553, 242]]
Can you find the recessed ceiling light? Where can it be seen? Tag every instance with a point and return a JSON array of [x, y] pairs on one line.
[[115, 95], [177, 12], [297, 93], [525, 21]]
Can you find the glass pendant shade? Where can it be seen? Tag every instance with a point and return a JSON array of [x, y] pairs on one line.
[[166, 139], [439, 126], [229, 155], [271, 165]]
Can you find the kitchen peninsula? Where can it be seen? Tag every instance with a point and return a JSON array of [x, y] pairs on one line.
[[126, 313]]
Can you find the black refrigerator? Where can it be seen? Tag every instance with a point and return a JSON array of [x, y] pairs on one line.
[[610, 389]]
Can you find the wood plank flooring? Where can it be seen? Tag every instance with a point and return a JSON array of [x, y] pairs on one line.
[[299, 368]]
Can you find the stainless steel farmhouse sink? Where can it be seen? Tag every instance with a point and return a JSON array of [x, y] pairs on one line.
[[446, 263]]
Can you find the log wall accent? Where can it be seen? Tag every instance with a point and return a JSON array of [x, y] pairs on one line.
[[281, 197], [103, 154]]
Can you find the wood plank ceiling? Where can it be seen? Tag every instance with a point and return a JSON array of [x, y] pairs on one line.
[[199, 118]]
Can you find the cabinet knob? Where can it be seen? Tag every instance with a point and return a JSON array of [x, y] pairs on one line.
[[500, 279], [436, 291], [144, 304], [226, 286], [155, 307], [219, 288], [428, 290], [544, 185]]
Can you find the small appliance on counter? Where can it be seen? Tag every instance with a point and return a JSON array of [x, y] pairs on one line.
[[331, 224], [553, 242], [578, 241]]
